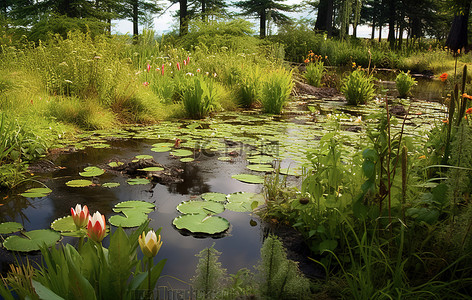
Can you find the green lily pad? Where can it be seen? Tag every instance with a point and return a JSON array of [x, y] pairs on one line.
[[135, 213], [181, 152], [260, 168], [201, 223], [66, 226], [249, 178], [36, 192], [260, 159], [32, 240], [79, 183], [10, 227], [217, 197], [244, 201], [142, 156], [187, 159], [115, 164], [161, 149], [136, 181], [100, 146], [163, 145], [201, 207], [290, 171], [225, 158], [92, 172], [151, 169], [111, 184]]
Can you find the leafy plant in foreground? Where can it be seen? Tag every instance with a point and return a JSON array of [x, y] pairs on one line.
[[358, 87], [404, 83], [208, 280]]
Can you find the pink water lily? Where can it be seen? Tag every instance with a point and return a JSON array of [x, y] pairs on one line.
[[96, 227], [80, 215], [149, 243]]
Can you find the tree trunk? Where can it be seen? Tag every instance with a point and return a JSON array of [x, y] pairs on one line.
[[135, 18], [457, 38], [416, 27], [374, 20], [262, 25], [391, 23], [380, 33], [324, 20], [183, 17], [203, 10]]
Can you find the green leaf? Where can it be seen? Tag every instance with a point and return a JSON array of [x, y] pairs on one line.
[[115, 164], [218, 197], [66, 226], [181, 152], [225, 158], [249, 178], [136, 181], [161, 149], [121, 260], [244, 201], [135, 213], [187, 159], [201, 223], [79, 183], [32, 241], [151, 169], [91, 172], [144, 156], [200, 207], [260, 167], [260, 159], [43, 292], [290, 171], [36, 192], [10, 227], [327, 245], [111, 184]]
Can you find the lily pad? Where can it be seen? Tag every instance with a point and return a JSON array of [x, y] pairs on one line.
[[66, 226], [201, 207], [10, 227], [163, 145], [92, 172], [249, 178], [201, 223], [36, 192], [217, 197], [181, 152], [135, 213], [111, 184], [115, 164], [187, 159], [136, 181], [32, 240], [142, 156], [260, 159], [260, 167], [151, 169], [161, 149], [79, 183], [225, 158], [244, 201], [290, 171], [100, 146]]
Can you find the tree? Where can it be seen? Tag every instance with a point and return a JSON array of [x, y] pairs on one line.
[[265, 10], [324, 20], [458, 38], [137, 10]]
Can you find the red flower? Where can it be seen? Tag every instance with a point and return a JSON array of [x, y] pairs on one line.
[[79, 215], [96, 228], [178, 66], [145, 83], [466, 96], [469, 111], [148, 67], [185, 62], [443, 77], [162, 69], [307, 60], [188, 60]]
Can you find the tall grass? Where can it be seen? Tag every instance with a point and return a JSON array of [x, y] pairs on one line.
[[276, 91], [358, 87], [200, 97]]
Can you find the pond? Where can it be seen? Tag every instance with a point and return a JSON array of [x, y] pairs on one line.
[[221, 147]]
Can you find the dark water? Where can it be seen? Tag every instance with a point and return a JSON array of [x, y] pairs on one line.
[[240, 246]]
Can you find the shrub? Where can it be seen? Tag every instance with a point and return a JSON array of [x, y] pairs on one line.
[[200, 98], [314, 72], [358, 87], [249, 87], [276, 91], [404, 83]]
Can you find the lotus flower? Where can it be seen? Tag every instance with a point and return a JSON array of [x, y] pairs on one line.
[[79, 215], [178, 66], [148, 68], [96, 228], [149, 243]]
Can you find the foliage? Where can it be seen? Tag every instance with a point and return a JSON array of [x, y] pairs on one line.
[[358, 87], [209, 275], [276, 90], [404, 82], [314, 73], [249, 87], [200, 98]]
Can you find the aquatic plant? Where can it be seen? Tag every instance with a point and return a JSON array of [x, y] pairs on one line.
[[249, 86], [314, 69], [209, 276], [358, 87], [200, 98], [404, 83], [276, 91], [96, 227]]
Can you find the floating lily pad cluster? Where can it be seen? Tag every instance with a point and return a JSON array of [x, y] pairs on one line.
[[27, 240], [199, 216]]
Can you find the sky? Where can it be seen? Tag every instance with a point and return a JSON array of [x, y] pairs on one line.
[[165, 22]]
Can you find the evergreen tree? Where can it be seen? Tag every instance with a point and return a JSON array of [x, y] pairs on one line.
[[265, 10], [137, 11]]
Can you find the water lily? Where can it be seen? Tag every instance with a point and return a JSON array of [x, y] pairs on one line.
[[80, 215], [149, 243], [96, 228]]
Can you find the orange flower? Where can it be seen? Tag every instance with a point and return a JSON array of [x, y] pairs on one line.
[[446, 121], [466, 96], [311, 53], [469, 111], [422, 157], [307, 60], [443, 77]]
